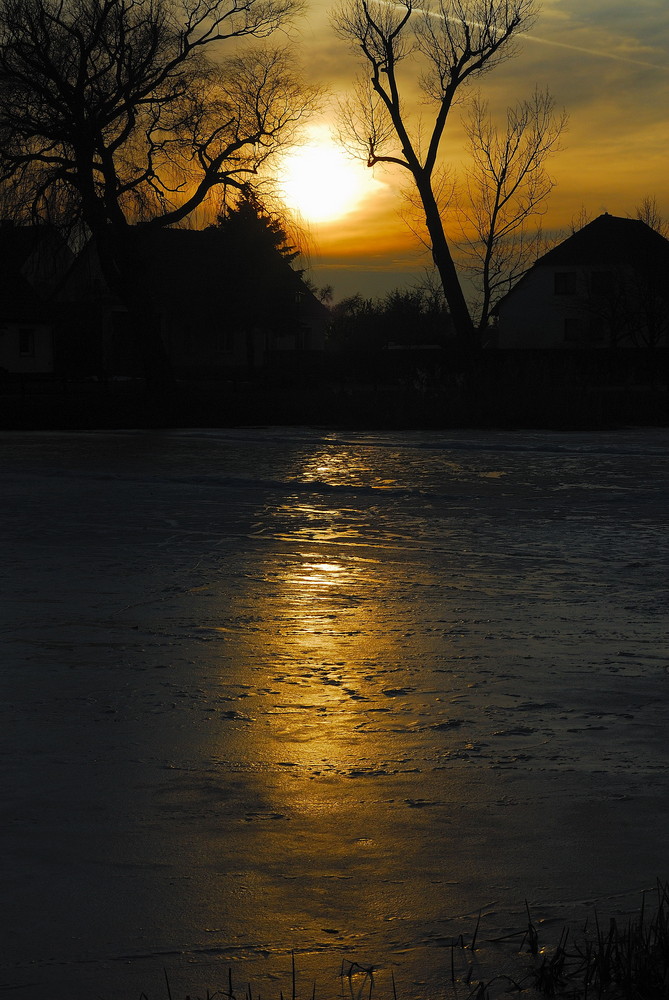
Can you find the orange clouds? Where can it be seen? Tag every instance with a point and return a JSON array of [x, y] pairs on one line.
[[605, 62]]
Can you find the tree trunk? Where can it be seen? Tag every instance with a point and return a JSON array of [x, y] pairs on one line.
[[120, 260], [441, 254], [122, 267]]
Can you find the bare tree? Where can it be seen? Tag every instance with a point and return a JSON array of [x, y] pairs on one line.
[[647, 211], [113, 112], [578, 221], [627, 305], [507, 188], [451, 44]]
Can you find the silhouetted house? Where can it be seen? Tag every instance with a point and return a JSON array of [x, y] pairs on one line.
[[218, 309], [32, 261], [607, 285]]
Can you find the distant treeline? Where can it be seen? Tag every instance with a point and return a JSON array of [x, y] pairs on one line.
[[409, 317]]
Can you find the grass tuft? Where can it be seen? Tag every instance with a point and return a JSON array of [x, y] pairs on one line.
[[627, 961], [623, 962]]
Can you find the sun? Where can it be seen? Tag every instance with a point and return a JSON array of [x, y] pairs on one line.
[[320, 182]]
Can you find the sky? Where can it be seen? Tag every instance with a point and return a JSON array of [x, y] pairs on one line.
[[606, 62]]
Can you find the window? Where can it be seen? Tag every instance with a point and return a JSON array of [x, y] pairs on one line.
[[565, 283], [26, 342]]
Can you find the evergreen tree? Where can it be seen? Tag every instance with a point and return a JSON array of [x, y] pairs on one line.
[[263, 289]]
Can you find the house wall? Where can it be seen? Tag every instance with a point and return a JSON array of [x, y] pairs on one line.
[[536, 315], [208, 343], [582, 306], [26, 348], [204, 341]]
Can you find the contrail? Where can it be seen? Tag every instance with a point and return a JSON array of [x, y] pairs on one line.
[[598, 53], [592, 52]]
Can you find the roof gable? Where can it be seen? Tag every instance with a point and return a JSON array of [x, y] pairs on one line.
[[28, 256], [609, 241]]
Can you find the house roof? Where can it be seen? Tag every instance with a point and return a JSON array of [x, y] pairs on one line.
[[608, 241], [20, 247], [32, 262], [202, 269], [178, 259], [205, 264]]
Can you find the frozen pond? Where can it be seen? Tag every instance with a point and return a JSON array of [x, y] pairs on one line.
[[284, 689]]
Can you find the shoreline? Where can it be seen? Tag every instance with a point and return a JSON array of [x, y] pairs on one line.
[[88, 405]]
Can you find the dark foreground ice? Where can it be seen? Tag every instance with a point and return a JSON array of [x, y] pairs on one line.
[[286, 689]]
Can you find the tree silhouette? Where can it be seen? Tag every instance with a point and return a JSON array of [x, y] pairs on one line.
[[449, 45], [256, 231], [112, 113], [264, 289], [507, 186], [411, 317], [648, 211]]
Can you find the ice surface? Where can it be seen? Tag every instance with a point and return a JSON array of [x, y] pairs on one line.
[[277, 689]]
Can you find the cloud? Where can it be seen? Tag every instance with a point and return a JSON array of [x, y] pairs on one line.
[[643, 19], [637, 33]]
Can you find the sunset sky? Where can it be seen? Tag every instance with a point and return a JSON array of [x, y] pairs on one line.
[[605, 61]]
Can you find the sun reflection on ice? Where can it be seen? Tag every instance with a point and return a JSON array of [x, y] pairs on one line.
[[324, 574], [334, 619], [325, 636]]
